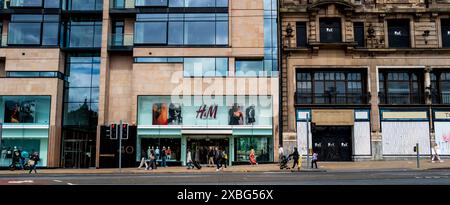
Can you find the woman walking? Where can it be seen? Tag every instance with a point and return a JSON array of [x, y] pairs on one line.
[[253, 157]]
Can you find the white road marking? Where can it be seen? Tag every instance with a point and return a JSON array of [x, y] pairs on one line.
[[20, 182], [70, 184], [59, 181]]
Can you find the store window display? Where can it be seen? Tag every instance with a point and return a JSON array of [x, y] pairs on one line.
[[260, 144], [27, 111]]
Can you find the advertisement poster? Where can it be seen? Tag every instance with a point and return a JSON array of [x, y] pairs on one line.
[[175, 114], [160, 114], [16, 112], [236, 115]]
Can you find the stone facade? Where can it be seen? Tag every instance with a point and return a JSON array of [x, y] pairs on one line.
[[425, 53]]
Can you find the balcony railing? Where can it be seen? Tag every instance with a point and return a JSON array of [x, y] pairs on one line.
[[330, 98], [441, 98], [401, 98], [121, 40], [83, 5], [122, 4]]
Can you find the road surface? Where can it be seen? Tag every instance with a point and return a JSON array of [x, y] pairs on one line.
[[430, 177]]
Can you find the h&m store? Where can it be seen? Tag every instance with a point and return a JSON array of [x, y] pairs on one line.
[[235, 124]]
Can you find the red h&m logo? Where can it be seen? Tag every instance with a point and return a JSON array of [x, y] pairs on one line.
[[204, 113]]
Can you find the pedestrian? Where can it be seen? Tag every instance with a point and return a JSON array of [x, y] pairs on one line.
[[314, 160], [280, 153], [218, 158], [295, 157], [197, 155], [144, 158], [34, 159], [163, 157], [252, 157], [435, 153], [211, 155], [224, 159], [189, 162], [152, 161]]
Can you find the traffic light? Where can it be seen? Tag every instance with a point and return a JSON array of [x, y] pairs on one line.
[[124, 131], [113, 131]]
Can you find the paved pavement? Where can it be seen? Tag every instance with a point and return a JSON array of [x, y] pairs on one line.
[[323, 166]]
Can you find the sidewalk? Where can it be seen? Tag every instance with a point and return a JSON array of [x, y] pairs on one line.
[[323, 166]]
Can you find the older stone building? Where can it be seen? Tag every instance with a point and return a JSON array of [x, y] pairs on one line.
[[372, 77]]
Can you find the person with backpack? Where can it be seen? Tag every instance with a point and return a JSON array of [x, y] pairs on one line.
[[34, 159]]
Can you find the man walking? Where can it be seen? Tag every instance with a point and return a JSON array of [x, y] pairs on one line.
[[280, 153], [314, 160], [295, 157]]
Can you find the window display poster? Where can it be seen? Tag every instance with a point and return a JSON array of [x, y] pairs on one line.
[[237, 116], [16, 112], [175, 117], [160, 114]]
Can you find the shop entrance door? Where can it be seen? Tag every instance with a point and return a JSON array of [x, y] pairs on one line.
[[201, 145], [78, 149], [333, 143]]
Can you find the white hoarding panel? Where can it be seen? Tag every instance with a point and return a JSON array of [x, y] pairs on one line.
[[399, 138], [361, 138], [443, 136], [301, 137]]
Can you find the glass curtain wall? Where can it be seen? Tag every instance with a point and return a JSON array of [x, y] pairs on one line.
[[80, 110]]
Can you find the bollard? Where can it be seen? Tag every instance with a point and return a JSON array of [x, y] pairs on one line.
[[418, 154]]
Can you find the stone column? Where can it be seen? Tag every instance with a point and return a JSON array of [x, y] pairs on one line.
[[429, 100], [376, 138], [104, 79]]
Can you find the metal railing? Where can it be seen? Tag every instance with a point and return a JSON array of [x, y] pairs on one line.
[[330, 98], [121, 40], [401, 98], [122, 4]]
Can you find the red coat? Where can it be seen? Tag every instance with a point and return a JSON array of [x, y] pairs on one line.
[[252, 158]]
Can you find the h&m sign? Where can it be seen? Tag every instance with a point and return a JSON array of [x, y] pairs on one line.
[[207, 112]]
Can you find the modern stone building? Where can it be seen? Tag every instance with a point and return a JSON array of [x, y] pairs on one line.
[[184, 74], [372, 77]]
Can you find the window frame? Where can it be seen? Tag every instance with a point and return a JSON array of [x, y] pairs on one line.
[[184, 18], [303, 41], [324, 98], [363, 42], [332, 20], [42, 22], [412, 96], [393, 23]]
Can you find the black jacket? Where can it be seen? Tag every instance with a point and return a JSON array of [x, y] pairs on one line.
[[295, 155]]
